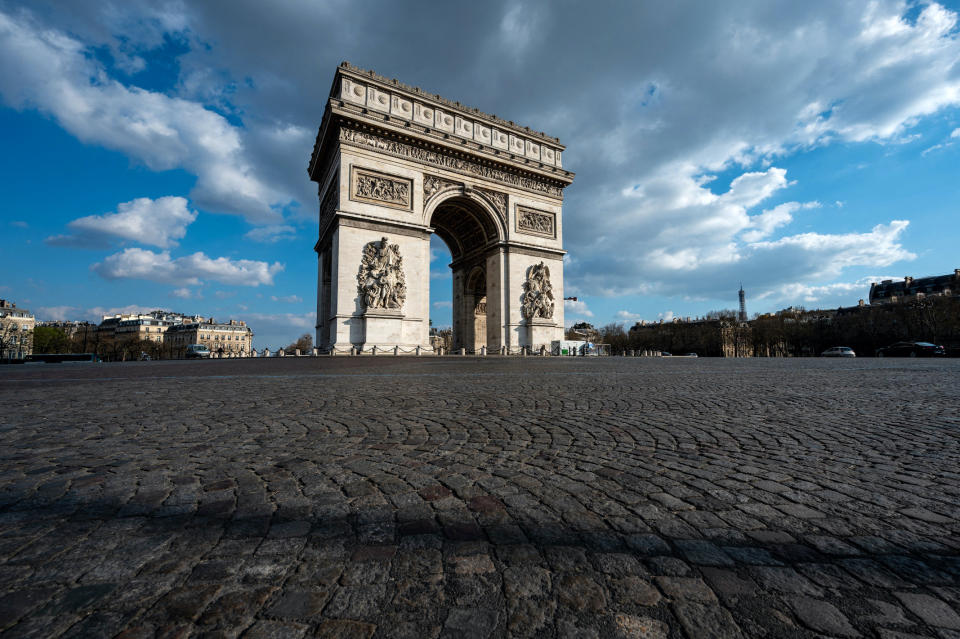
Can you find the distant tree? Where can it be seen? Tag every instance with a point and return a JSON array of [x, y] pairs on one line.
[[50, 339], [305, 343]]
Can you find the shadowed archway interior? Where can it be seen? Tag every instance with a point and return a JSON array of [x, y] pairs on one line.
[[468, 231]]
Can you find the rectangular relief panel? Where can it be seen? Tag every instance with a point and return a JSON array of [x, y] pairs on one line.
[[535, 222], [374, 187]]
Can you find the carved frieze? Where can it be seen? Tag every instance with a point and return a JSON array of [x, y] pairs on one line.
[[378, 188], [537, 293], [536, 222], [433, 184], [433, 158], [380, 281]]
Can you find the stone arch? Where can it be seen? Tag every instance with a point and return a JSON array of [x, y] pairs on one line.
[[455, 213], [396, 166], [473, 231]]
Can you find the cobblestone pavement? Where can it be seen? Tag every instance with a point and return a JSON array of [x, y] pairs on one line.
[[402, 497]]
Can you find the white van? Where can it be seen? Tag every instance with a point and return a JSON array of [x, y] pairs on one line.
[[197, 351]]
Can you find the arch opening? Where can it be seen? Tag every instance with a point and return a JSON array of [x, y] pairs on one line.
[[470, 233]]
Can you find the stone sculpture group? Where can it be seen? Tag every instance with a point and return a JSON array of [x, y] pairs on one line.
[[538, 293], [380, 281]]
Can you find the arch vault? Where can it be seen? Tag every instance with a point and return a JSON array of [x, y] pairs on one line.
[[395, 165]]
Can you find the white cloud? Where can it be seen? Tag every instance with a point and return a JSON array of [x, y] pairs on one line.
[[290, 299], [275, 330], [955, 133], [443, 304], [186, 294], [271, 233], [222, 295], [51, 71], [56, 313], [767, 222], [576, 308], [99, 312], [135, 263], [20, 224], [159, 222]]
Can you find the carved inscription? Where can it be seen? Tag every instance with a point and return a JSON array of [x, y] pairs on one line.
[[538, 293], [535, 222], [380, 281], [399, 149], [383, 189]]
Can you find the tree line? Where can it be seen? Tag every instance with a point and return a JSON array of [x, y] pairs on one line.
[[795, 332]]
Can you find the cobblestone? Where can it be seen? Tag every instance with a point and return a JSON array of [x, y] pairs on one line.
[[460, 497]]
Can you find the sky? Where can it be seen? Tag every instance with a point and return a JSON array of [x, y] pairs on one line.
[[155, 153]]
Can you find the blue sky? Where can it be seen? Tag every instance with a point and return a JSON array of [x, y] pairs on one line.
[[155, 152]]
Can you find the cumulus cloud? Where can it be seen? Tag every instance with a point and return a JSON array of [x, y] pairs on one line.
[[271, 233], [185, 293], [767, 222], [135, 263], [576, 308], [667, 97], [53, 72], [56, 313], [159, 222], [275, 330]]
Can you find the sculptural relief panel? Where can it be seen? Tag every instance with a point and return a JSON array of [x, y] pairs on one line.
[[535, 222], [422, 114], [500, 140], [351, 91], [401, 107], [444, 121], [380, 280], [532, 150], [538, 299], [482, 134], [381, 189], [433, 184], [378, 100]]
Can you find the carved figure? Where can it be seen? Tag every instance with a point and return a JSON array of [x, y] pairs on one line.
[[538, 293], [380, 282], [535, 222], [383, 189]]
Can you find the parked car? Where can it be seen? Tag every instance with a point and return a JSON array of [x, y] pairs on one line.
[[912, 349], [197, 351], [665, 354], [838, 351], [690, 355]]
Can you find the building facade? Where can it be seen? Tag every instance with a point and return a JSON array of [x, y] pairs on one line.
[[909, 289], [16, 331], [229, 339]]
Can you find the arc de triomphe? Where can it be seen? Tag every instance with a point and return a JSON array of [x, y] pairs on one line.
[[395, 164]]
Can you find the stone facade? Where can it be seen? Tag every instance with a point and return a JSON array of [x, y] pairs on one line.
[[909, 289], [394, 165], [16, 331], [232, 338]]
